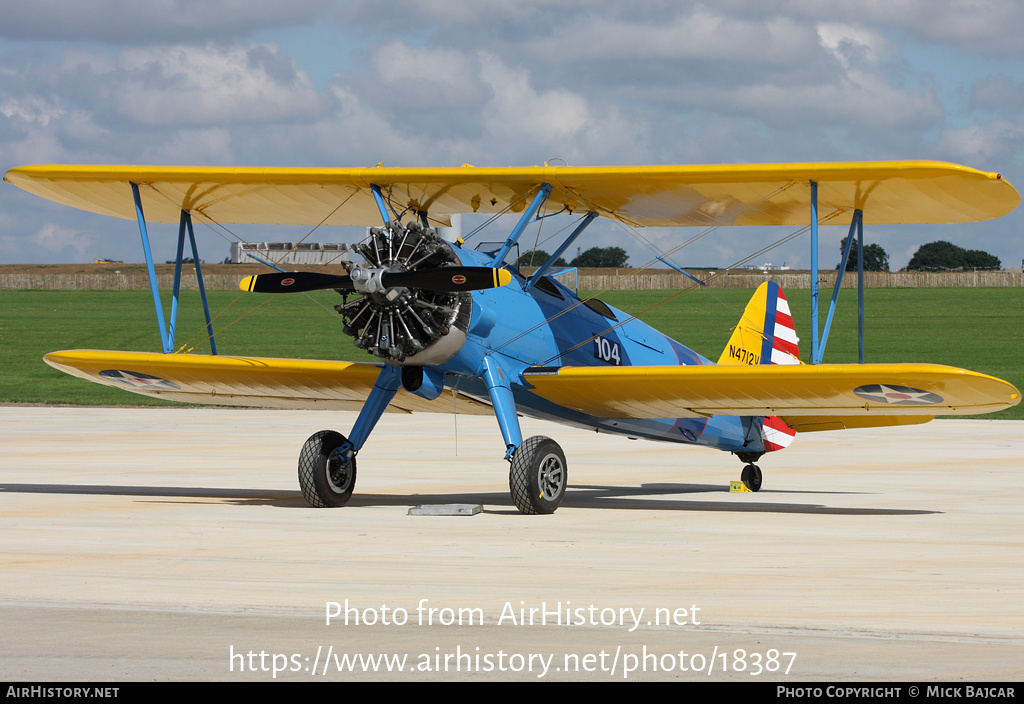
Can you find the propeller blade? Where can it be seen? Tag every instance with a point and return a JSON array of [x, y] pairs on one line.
[[294, 282], [451, 278]]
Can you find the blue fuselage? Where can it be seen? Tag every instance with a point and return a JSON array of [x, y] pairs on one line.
[[546, 325]]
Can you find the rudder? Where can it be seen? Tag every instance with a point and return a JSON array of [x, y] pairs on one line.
[[766, 335]]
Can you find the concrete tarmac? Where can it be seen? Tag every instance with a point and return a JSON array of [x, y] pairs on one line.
[[173, 544]]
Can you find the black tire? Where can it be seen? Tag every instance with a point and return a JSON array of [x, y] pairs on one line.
[[538, 476], [751, 477], [325, 483]]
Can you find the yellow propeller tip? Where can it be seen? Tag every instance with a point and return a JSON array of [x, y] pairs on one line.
[[246, 284], [504, 277]]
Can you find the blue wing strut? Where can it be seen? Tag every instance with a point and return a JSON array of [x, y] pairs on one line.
[[167, 329]]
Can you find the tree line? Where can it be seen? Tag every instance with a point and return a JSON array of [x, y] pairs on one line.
[[595, 257], [934, 256]]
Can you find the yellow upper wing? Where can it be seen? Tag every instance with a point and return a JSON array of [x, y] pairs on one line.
[[245, 381], [760, 194], [768, 390]]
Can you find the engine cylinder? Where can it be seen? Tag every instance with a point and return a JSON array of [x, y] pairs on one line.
[[401, 325]]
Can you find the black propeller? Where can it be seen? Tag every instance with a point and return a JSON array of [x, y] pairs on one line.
[[452, 278], [294, 282]]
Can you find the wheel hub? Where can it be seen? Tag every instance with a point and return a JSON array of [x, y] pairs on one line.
[[551, 476], [339, 474]]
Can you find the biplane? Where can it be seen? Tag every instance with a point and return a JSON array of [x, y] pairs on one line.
[[443, 318]]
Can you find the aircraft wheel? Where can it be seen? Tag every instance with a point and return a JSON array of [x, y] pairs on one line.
[[538, 476], [751, 476], [326, 482]]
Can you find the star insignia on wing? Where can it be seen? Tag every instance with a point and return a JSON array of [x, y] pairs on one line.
[[897, 395], [139, 380]]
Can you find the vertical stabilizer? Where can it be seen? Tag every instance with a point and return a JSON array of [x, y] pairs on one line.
[[766, 335]]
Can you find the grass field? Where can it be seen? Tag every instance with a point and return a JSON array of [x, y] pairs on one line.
[[976, 328]]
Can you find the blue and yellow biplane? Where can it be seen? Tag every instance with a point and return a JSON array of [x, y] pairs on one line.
[[441, 316]]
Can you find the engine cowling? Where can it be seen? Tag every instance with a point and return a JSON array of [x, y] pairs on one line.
[[404, 325]]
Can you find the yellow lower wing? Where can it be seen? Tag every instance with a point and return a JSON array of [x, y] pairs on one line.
[[817, 392], [245, 381]]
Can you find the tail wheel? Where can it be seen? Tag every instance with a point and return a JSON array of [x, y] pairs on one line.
[[326, 481], [538, 476], [751, 477]]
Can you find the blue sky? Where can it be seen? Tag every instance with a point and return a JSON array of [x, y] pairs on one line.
[[417, 83]]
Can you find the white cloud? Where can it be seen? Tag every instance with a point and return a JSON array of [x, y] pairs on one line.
[[124, 22], [31, 109], [999, 93], [552, 123], [448, 107], [210, 85], [987, 26], [210, 145], [511, 82], [853, 44], [171, 104], [518, 111], [983, 145], [859, 99], [702, 34], [28, 135], [62, 241], [355, 132], [425, 74]]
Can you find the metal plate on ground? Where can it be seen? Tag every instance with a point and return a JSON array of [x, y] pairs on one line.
[[446, 510]]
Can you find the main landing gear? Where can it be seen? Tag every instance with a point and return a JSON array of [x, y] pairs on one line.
[[327, 470], [538, 476]]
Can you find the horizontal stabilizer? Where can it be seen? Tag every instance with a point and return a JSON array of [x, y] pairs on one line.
[[813, 424]]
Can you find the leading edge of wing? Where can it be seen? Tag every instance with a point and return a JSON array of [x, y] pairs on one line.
[[767, 390], [731, 194], [244, 381]]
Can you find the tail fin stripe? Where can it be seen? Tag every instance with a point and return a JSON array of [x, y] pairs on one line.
[[787, 347], [777, 435], [787, 334], [768, 331]]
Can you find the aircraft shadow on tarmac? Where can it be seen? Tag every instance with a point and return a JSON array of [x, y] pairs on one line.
[[646, 497]]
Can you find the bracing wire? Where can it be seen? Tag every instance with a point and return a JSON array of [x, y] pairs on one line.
[[679, 293], [216, 227], [749, 207]]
